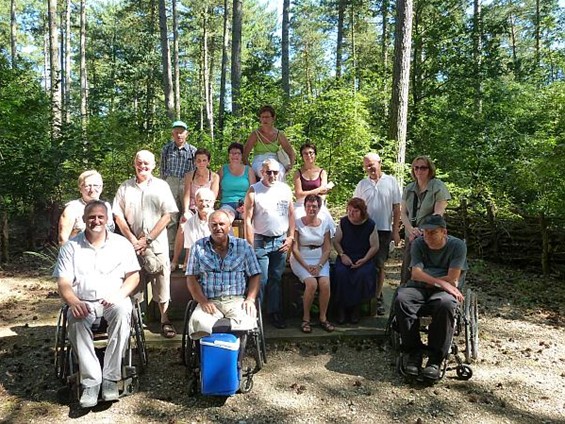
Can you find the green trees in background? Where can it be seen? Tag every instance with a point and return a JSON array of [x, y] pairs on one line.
[[487, 91]]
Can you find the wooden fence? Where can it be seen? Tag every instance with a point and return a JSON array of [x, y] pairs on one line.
[[535, 242]]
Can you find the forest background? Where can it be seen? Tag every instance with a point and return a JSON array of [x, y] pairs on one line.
[[87, 84]]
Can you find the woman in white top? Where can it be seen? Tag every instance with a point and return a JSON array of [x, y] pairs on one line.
[[71, 223], [309, 261]]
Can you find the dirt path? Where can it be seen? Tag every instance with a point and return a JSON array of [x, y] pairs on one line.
[[520, 377]]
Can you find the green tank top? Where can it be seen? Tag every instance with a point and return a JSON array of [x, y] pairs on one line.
[[261, 147]]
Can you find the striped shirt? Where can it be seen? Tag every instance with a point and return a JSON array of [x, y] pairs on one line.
[[176, 162], [222, 277]]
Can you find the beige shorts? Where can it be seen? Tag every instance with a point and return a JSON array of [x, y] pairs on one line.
[[201, 323], [160, 283]]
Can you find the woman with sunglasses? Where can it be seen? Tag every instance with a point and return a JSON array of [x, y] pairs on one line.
[[71, 222], [310, 179], [423, 197]]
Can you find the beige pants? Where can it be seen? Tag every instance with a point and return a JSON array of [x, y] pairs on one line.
[[201, 323]]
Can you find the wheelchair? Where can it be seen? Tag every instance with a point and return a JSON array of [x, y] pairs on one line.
[[134, 360], [251, 354], [466, 323]]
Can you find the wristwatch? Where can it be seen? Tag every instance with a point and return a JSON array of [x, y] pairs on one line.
[[148, 239]]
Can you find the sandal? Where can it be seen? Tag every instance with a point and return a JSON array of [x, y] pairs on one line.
[[167, 330], [328, 326], [305, 327]]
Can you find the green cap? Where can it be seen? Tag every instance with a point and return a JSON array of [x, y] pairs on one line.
[[179, 124]]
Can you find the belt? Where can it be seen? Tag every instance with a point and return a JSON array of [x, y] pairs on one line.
[[312, 246], [224, 298], [269, 237]]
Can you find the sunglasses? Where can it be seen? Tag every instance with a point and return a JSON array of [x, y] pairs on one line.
[[269, 172], [420, 168]]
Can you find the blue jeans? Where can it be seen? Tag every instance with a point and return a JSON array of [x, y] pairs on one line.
[[272, 262]]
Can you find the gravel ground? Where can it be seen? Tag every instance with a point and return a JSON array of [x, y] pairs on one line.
[[519, 378]]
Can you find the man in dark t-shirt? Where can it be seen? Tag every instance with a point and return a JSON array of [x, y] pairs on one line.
[[437, 265]]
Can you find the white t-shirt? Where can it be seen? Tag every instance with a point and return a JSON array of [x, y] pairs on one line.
[[271, 209], [380, 197], [194, 230]]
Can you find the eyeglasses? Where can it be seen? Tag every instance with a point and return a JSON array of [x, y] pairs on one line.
[[309, 153], [269, 172], [420, 168], [93, 186]]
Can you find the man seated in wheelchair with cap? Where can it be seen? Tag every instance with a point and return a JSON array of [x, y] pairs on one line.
[[217, 272], [96, 272], [438, 261]]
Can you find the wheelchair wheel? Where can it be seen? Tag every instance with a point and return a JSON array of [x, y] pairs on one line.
[[464, 372], [139, 344], [470, 318], [61, 346], [261, 341], [190, 307], [246, 384]]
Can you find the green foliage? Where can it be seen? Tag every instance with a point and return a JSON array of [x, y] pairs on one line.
[[337, 123], [28, 160]]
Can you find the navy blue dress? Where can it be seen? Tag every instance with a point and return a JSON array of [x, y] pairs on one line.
[[352, 286]]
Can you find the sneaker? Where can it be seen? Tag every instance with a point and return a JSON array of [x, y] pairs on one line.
[[89, 396], [110, 390], [431, 371], [413, 363]]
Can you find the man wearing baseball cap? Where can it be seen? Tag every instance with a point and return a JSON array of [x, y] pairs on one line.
[[177, 158], [438, 264]]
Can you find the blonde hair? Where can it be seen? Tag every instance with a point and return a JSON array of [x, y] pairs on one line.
[[86, 174]]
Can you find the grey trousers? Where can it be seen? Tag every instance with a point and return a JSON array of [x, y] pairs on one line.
[[80, 335]]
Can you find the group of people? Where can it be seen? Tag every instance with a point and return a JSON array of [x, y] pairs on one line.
[[97, 271]]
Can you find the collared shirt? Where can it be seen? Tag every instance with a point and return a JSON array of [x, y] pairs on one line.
[[380, 197], [220, 277], [96, 272], [176, 162], [143, 205], [436, 191]]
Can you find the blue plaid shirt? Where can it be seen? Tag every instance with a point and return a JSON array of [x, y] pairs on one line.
[[176, 162], [222, 277]]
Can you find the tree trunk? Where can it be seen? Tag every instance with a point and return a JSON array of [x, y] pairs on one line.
[[176, 68], [478, 55], [55, 72], [384, 35], [83, 73], [4, 234], [537, 31], [166, 61], [400, 82], [225, 44], [512, 27], [285, 52], [236, 56], [67, 64], [13, 34], [339, 44], [207, 84]]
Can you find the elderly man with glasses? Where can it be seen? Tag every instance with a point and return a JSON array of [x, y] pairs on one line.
[[269, 228]]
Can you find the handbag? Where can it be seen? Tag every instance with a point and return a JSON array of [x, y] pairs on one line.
[[283, 157], [151, 262]]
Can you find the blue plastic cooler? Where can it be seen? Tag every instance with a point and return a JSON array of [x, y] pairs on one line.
[[219, 374]]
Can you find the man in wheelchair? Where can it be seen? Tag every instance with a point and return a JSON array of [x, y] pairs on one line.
[[217, 272], [438, 261], [96, 272]]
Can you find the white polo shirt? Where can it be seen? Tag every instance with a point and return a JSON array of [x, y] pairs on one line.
[[380, 196]]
